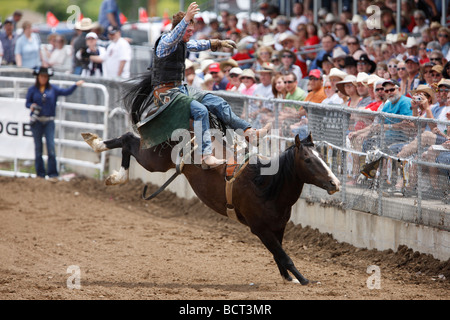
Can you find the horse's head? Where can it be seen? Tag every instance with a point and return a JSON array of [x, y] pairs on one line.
[[311, 168]]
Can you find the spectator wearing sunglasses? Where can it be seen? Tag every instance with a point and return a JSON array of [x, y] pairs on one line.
[[317, 93], [437, 57], [444, 39], [288, 59], [433, 133], [413, 69]]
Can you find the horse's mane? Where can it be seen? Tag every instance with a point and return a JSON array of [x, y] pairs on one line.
[[270, 185], [138, 96]]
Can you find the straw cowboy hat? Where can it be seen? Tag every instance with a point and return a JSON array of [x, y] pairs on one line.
[[286, 36], [372, 79], [248, 73], [230, 62], [425, 89], [361, 77], [444, 82], [267, 41], [410, 43], [335, 72], [86, 24], [341, 84]]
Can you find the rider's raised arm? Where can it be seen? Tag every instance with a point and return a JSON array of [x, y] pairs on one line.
[[169, 41]]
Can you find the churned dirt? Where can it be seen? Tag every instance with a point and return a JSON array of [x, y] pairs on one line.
[[128, 248]]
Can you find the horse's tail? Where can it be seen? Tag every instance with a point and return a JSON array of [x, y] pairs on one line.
[[138, 96]]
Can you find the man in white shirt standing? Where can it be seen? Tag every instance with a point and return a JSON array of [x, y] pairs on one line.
[[117, 57]]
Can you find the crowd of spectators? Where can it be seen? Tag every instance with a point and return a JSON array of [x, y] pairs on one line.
[[341, 60]]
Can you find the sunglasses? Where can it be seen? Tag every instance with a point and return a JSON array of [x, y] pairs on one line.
[[379, 89], [443, 90], [392, 66], [328, 87], [234, 75], [289, 81], [435, 59], [362, 63], [286, 56], [402, 69], [443, 35], [391, 90]]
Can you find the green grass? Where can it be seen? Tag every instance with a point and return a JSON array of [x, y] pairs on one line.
[[89, 8]]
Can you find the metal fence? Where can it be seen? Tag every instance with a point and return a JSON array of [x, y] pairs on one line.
[[413, 188], [416, 175]]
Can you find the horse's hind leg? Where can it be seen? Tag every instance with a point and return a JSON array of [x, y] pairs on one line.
[[124, 142], [94, 141]]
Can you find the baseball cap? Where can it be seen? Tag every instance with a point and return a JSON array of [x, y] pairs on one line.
[[214, 67], [113, 29], [91, 35], [413, 59], [315, 73], [391, 81]]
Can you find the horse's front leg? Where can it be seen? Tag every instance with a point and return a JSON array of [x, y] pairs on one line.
[[284, 262]]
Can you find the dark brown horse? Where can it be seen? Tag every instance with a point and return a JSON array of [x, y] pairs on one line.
[[262, 202]]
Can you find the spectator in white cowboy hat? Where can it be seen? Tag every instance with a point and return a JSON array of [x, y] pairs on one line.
[[287, 41], [282, 24], [84, 27], [334, 77], [264, 88], [338, 58], [412, 46]]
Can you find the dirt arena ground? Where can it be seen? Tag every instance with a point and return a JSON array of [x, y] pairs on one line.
[[128, 248]]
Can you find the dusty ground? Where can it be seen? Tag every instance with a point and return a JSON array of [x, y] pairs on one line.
[[127, 248]]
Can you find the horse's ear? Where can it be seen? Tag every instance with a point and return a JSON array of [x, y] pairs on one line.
[[297, 141], [309, 139]]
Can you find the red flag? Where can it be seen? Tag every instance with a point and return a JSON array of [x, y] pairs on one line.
[[52, 21], [80, 17], [143, 16], [122, 18], [165, 20]]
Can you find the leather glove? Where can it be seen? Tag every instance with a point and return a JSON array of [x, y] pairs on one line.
[[218, 44]]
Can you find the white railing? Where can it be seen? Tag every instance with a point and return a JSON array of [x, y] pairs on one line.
[[62, 121]]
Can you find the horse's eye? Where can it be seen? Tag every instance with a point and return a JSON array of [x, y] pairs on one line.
[[308, 160]]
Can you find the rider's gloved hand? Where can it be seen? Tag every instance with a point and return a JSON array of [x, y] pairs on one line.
[[218, 44]]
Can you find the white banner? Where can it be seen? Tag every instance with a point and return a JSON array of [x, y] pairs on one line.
[[16, 139]]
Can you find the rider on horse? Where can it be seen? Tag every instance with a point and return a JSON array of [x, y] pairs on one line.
[[168, 68]]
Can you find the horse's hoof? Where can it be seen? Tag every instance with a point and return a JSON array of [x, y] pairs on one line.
[[117, 177], [94, 141]]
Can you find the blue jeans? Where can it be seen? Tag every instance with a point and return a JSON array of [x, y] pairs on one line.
[[217, 106], [39, 130]]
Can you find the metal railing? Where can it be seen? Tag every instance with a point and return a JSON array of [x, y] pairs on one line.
[[72, 118]]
